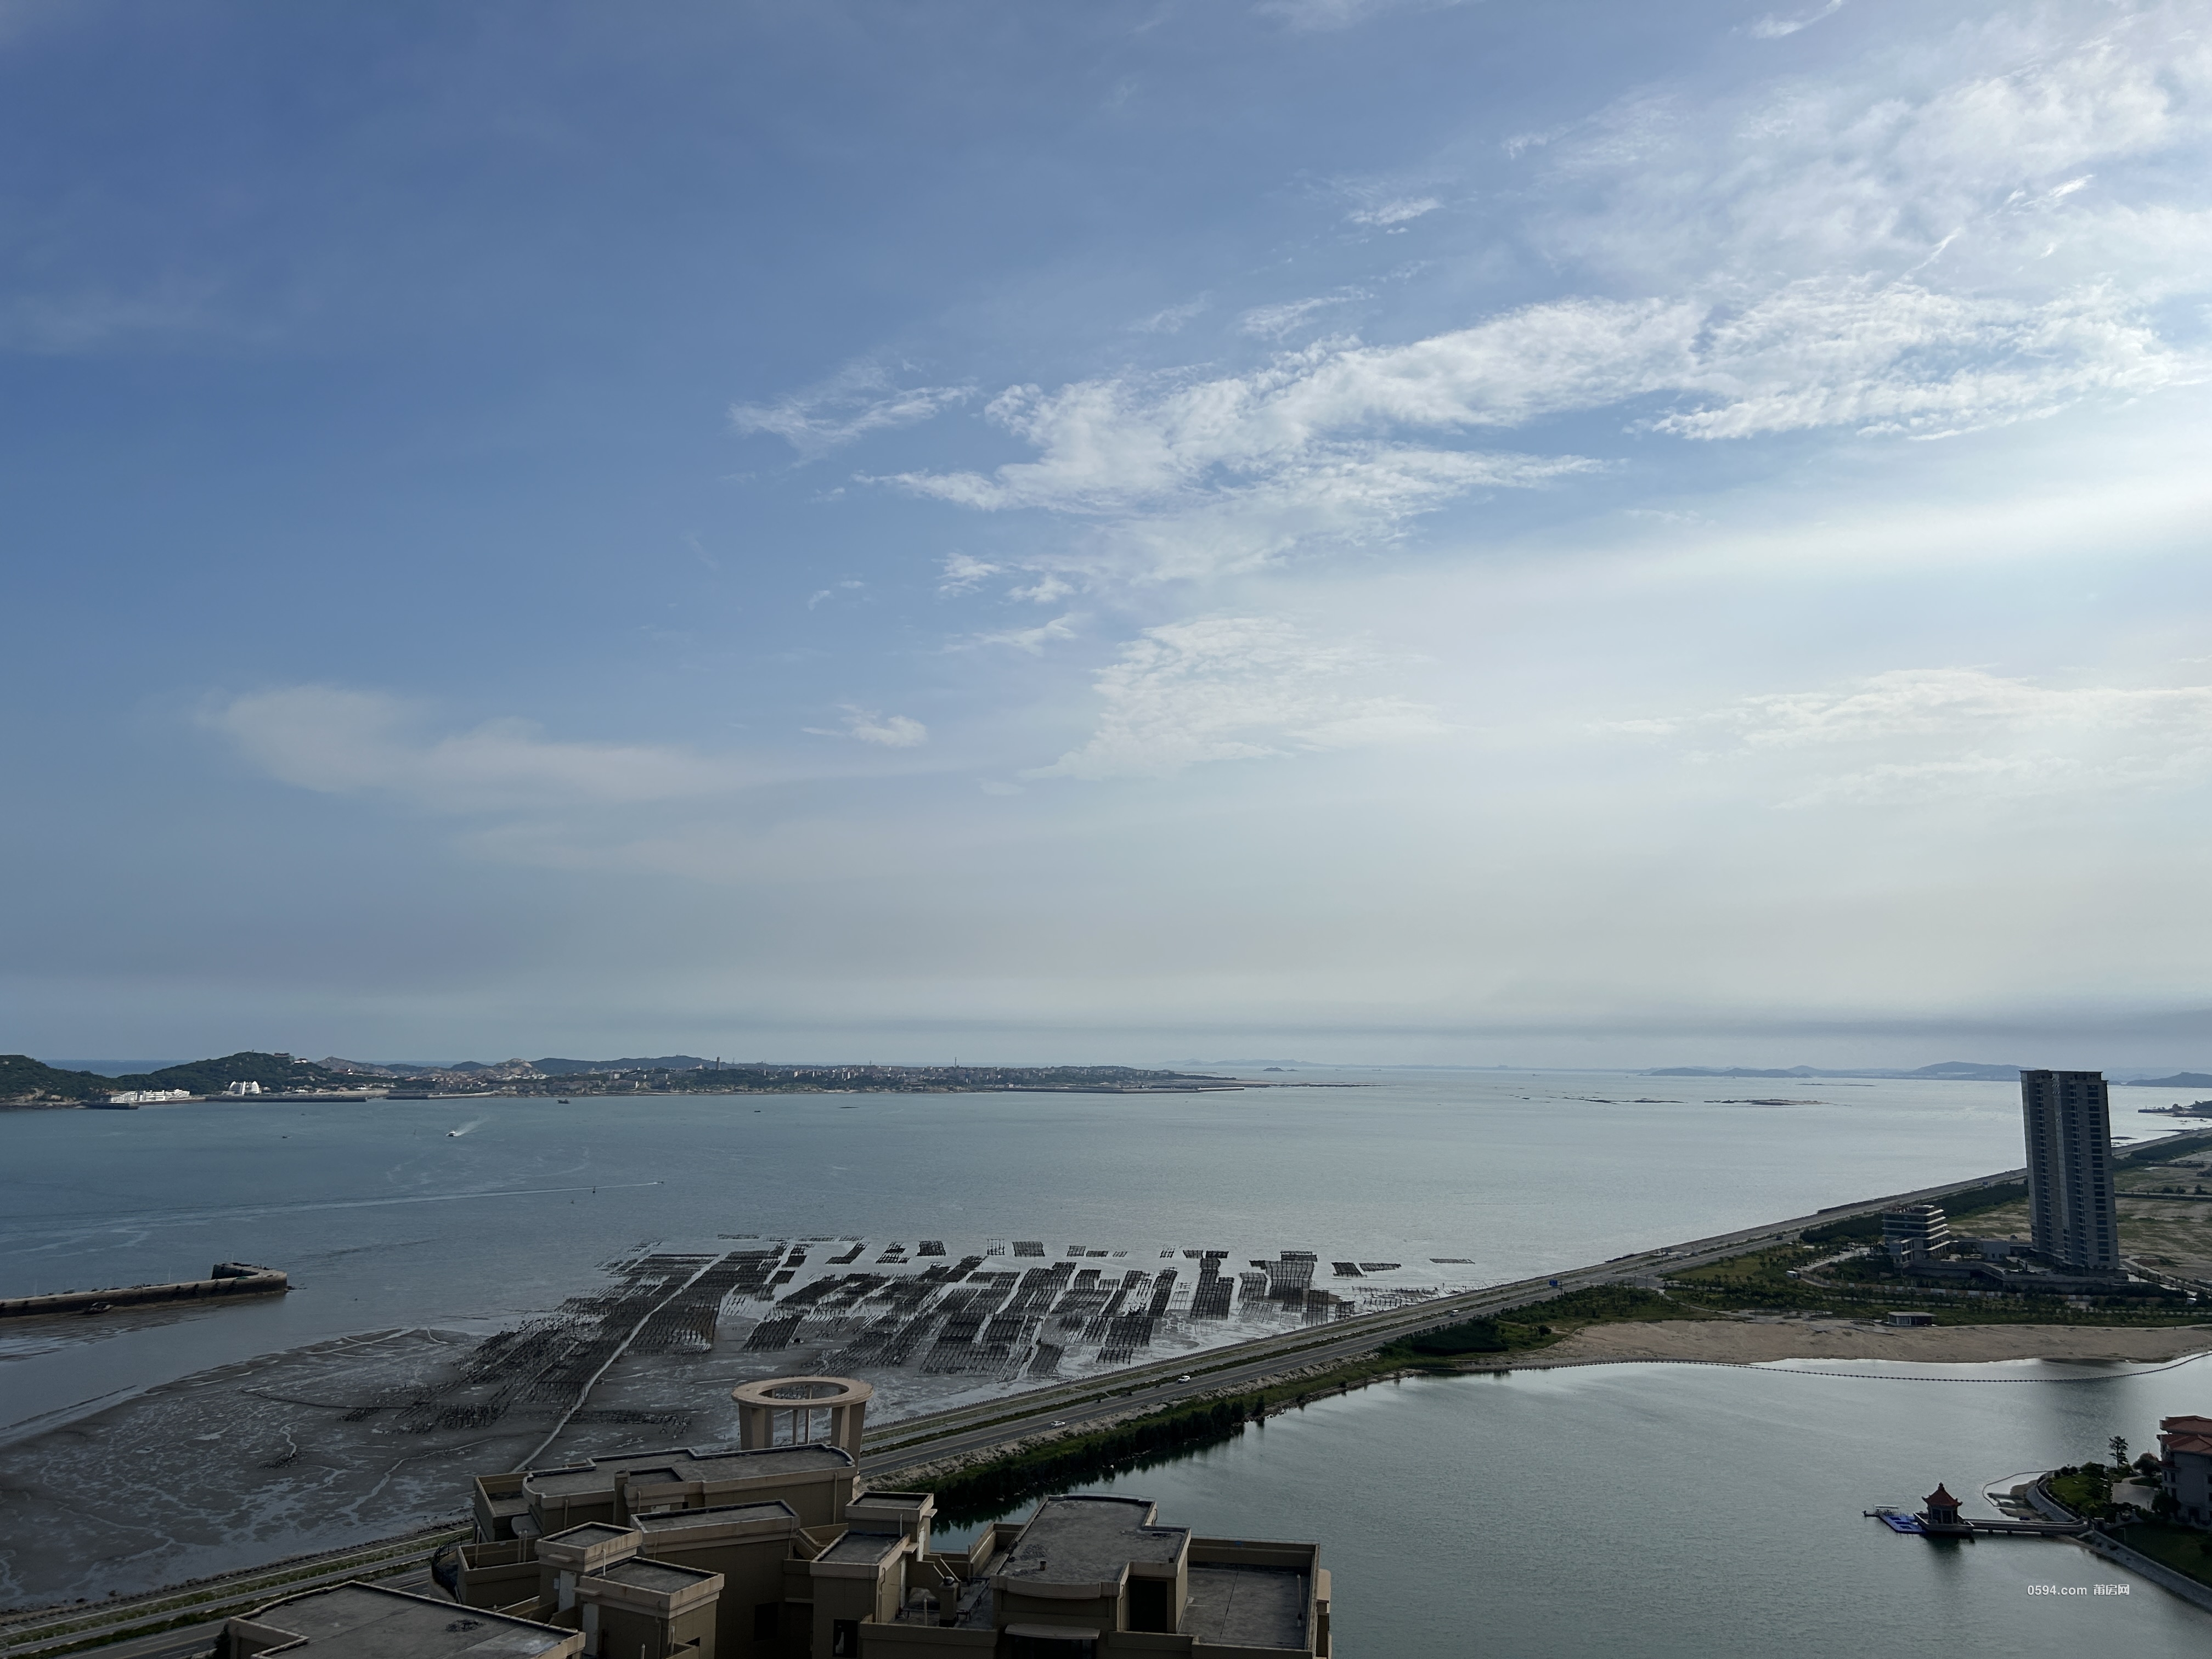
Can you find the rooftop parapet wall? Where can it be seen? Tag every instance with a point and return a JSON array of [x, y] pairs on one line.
[[227, 1279]]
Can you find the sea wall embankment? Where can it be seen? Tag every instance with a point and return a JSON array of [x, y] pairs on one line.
[[227, 1279]]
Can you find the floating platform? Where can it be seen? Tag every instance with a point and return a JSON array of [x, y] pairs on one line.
[[227, 1279]]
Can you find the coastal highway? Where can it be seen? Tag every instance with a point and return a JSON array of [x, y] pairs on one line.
[[912, 1442]]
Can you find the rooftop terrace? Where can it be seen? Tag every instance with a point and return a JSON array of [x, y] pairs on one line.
[[1246, 1607], [1090, 1541], [365, 1622]]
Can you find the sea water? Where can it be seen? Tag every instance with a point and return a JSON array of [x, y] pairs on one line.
[[1650, 1509], [466, 1214]]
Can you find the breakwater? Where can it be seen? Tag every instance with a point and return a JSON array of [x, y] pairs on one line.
[[226, 1279]]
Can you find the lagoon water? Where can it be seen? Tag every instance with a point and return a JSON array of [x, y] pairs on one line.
[[1674, 1496], [1689, 1512]]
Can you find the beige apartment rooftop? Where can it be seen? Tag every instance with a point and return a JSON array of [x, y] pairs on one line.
[[680, 1465], [865, 1547], [1242, 1607], [367, 1621], [774, 1509], [1075, 1543]]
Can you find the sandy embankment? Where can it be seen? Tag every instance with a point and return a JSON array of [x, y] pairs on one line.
[[1734, 1341]]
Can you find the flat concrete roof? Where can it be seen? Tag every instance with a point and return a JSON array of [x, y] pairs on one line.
[[365, 1622], [677, 1520], [590, 1533], [864, 1546], [659, 1576], [1246, 1607], [769, 1462], [1088, 1540]]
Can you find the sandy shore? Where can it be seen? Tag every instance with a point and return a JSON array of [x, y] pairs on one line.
[[1733, 1341]]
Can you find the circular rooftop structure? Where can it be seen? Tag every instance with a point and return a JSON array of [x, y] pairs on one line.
[[805, 1392]]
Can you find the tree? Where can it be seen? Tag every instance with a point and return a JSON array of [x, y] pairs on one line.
[[2119, 1445]]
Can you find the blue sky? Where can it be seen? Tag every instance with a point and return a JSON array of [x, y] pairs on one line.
[[1418, 532]]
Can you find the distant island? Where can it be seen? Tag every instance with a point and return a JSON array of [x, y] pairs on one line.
[[1949, 1071], [27, 1082], [1953, 1071]]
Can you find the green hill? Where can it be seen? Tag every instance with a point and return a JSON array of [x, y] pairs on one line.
[[23, 1078], [275, 1073]]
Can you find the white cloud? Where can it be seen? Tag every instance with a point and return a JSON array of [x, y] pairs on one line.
[[339, 742], [1912, 732], [1771, 27], [1903, 246], [1403, 210], [1032, 640], [859, 400], [1169, 319], [1898, 358], [1319, 14], [1235, 688], [963, 574], [866, 725], [1272, 322], [1866, 168]]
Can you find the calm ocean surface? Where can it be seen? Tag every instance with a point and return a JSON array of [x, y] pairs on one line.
[[1659, 1499]]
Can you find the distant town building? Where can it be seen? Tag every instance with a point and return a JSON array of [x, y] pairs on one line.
[[2071, 1210], [1914, 1232], [776, 1548], [147, 1096], [2185, 1467]]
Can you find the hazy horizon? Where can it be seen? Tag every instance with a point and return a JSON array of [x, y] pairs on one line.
[[1405, 531]]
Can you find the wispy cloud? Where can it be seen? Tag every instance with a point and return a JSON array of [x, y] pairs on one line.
[[1169, 319], [1913, 733], [1403, 210], [1032, 641], [849, 405], [868, 726], [1236, 688], [1775, 28], [1322, 14], [1272, 322], [341, 742], [963, 573]]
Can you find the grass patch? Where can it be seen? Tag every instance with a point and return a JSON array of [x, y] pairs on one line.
[[2185, 1549], [992, 1488], [1869, 1287], [2085, 1489], [1538, 1324]]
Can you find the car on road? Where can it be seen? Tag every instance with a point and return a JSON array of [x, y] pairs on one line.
[[1057, 1423], [1183, 1379]]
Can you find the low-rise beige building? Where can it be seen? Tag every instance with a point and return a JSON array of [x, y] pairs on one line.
[[778, 1550]]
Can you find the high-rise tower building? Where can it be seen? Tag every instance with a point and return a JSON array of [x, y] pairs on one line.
[[2069, 1168]]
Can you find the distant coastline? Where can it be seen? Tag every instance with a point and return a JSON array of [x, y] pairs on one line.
[[26, 1083]]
